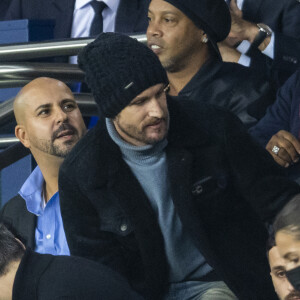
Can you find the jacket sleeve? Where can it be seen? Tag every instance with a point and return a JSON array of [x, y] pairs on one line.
[[286, 57], [255, 174], [278, 116], [82, 225]]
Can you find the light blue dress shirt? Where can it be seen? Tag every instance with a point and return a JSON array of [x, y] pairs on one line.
[[83, 16], [50, 236]]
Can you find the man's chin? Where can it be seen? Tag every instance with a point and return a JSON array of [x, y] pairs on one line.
[[62, 150], [152, 140], [293, 296]]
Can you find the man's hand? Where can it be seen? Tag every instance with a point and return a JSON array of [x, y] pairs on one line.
[[240, 28], [228, 54], [289, 148], [234, 10]]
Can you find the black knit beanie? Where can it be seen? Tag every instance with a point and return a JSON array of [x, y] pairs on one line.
[[212, 16], [117, 69]]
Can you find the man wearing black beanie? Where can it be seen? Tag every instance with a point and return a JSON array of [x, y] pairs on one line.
[[184, 35], [167, 194]]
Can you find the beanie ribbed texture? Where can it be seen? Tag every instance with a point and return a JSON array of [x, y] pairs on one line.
[[117, 69], [212, 16]]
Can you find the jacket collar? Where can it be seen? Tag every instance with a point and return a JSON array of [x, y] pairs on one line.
[[203, 77], [127, 8], [184, 132], [185, 128], [31, 268]]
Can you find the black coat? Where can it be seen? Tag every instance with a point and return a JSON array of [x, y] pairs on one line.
[[48, 277], [219, 180], [230, 86], [19, 220]]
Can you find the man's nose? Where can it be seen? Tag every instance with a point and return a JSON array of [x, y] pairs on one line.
[[155, 108], [153, 29], [61, 116], [289, 286]]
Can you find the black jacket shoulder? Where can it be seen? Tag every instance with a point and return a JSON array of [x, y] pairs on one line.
[[19, 220]]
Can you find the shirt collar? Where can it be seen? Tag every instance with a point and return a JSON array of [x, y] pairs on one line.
[[240, 4], [32, 192], [112, 4], [147, 153]]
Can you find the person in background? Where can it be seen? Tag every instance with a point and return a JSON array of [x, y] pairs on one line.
[[170, 194], [184, 35], [264, 35], [75, 18], [26, 275], [278, 131], [287, 235], [49, 124], [282, 286]]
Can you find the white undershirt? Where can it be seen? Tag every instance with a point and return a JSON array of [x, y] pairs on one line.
[[83, 16]]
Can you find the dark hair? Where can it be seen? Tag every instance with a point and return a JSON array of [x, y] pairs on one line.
[[288, 219], [270, 244], [10, 249]]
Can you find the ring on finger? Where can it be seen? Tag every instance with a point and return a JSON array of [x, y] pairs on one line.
[[275, 150]]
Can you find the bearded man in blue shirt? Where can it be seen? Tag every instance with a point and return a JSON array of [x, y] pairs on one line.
[[49, 124]]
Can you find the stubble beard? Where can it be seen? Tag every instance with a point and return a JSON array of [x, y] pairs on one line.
[[171, 65], [49, 147], [139, 135], [292, 295], [58, 150]]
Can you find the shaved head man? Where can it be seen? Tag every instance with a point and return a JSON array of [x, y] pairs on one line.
[[49, 123]]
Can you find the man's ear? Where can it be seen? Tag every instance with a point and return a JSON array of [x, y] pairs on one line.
[[21, 134]]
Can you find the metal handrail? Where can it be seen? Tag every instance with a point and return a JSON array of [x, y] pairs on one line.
[[85, 102], [25, 51], [19, 74], [8, 141], [12, 154]]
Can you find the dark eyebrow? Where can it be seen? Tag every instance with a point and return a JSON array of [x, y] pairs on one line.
[[43, 106], [137, 99], [68, 100], [164, 12], [287, 255], [48, 105], [276, 268]]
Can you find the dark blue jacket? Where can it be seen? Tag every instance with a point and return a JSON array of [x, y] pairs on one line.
[[283, 18], [284, 114]]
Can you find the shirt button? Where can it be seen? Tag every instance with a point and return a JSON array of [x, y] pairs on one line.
[[124, 227], [48, 236], [197, 189]]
